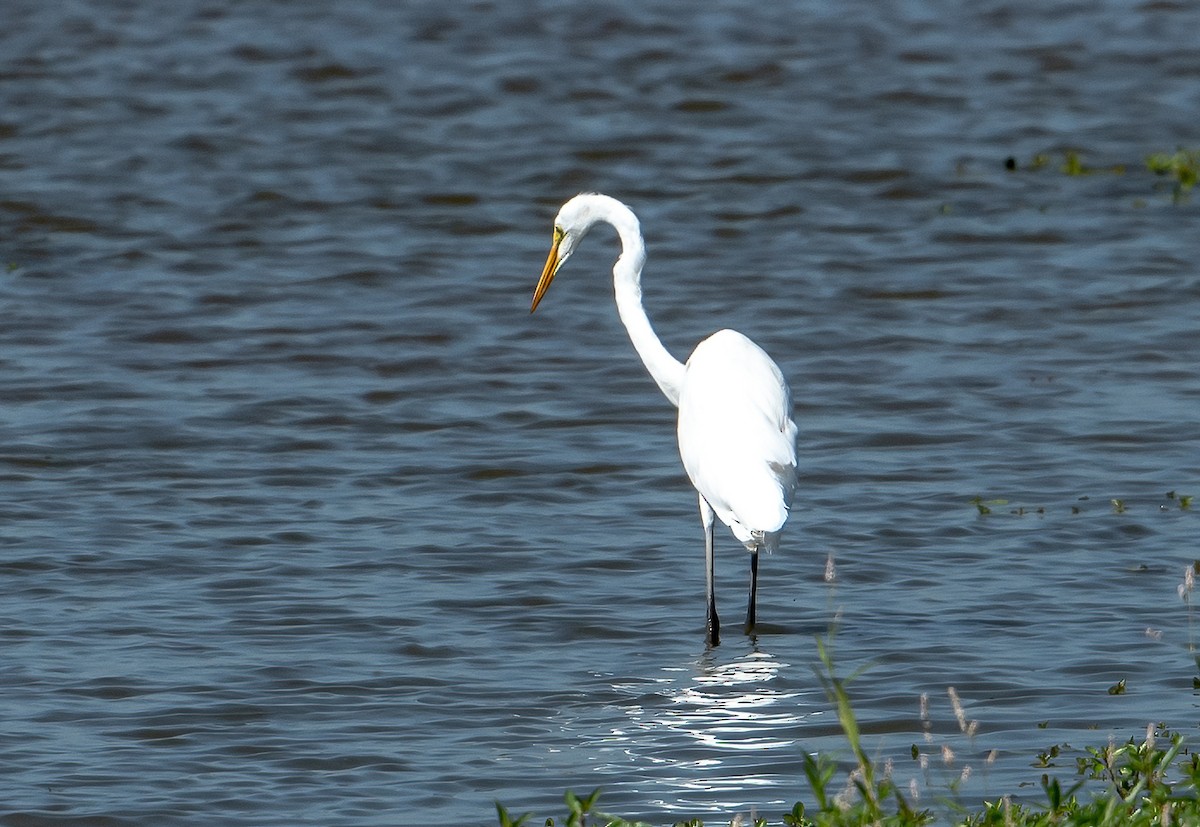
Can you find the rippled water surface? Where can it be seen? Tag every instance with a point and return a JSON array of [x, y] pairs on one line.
[[305, 520]]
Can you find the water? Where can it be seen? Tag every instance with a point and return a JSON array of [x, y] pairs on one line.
[[305, 520]]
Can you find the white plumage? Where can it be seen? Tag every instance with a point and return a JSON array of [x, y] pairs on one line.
[[736, 435]]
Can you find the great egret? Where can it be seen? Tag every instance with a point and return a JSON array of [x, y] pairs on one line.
[[736, 435]]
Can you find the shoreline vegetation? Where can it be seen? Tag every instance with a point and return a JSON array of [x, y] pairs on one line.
[[1153, 782], [1150, 781]]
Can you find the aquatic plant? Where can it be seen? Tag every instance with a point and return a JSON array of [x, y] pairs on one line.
[[508, 821], [1072, 164], [869, 796], [985, 507], [1118, 504], [1151, 783], [1182, 165], [578, 812]]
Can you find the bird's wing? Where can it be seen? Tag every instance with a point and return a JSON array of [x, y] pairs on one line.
[[736, 434]]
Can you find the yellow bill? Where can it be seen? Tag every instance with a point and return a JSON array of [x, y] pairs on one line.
[[548, 271]]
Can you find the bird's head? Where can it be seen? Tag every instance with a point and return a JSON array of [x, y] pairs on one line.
[[574, 220]]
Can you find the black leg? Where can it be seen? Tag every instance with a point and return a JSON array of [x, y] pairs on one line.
[[713, 627], [753, 591]]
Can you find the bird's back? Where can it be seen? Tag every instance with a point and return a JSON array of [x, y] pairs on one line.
[[736, 435]]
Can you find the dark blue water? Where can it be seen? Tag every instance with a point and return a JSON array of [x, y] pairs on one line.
[[305, 520]]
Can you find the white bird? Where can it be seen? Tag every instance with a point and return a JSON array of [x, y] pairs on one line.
[[736, 434]]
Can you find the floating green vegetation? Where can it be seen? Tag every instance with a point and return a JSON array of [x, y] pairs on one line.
[[1183, 166], [1119, 506], [1184, 500], [985, 507], [1071, 164]]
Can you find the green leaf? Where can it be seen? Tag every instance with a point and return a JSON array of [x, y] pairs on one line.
[[508, 821], [590, 800]]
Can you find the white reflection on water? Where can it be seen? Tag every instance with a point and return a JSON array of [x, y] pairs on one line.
[[733, 706], [696, 735]]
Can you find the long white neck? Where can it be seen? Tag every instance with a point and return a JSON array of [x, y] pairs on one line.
[[627, 283]]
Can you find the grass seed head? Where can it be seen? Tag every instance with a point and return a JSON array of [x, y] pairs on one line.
[[959, 712]]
